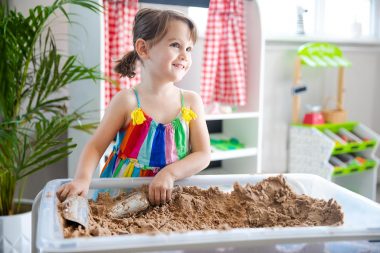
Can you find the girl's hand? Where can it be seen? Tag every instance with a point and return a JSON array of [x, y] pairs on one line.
[[160, 189], [76, 187]]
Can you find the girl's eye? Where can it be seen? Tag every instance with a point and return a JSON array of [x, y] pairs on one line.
[[189, 49], [175, 44]]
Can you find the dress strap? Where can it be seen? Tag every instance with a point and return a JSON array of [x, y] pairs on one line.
[[187, 113], [182, 99], [137, 98]]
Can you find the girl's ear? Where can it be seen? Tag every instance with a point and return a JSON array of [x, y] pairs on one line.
[[141, 47]]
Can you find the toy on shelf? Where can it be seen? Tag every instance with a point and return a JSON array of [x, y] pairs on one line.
[[313, 116], [223, 143], [320, 55], [344, 153]]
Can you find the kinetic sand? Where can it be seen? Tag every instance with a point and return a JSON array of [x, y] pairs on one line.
[[270, 203]]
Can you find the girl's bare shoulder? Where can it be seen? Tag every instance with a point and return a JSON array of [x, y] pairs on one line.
[[192, 98], [125, 99]]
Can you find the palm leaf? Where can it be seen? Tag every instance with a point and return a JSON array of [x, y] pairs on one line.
[[33, 115]]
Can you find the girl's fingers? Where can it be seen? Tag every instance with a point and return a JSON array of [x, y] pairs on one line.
[[83, 193], [169, 195], [157, 195], [72, 192], [71, 189], [64, 193], [61, 189], [151, 195], [59, 192], [163, 196]]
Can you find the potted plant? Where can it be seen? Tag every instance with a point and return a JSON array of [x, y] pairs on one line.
[[33, 113]]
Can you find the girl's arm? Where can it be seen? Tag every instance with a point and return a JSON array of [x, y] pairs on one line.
[[114, 119], [160, 188]]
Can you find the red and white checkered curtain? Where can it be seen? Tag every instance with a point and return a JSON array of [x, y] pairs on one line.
[[118, 23], [224, 57]]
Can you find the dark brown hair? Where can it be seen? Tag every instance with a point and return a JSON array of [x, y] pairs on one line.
[[150, 25]]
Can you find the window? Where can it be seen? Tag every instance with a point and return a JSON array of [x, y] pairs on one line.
[[198, 13], [280, 17], [199, 16], [321, 18], [353, 20]]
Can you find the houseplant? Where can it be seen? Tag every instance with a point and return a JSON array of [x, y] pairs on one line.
[[33, 113]]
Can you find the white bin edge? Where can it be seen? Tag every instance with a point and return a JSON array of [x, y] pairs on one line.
[[362, 219]]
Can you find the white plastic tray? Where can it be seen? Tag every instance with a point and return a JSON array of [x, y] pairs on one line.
[[361, 220]]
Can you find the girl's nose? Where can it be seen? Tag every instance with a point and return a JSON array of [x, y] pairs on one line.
[[183, 55]]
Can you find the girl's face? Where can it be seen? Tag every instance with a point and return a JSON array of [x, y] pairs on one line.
[[170, 59]]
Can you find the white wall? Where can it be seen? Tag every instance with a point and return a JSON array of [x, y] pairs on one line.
[[376, 106], [362, 89], [86, 42]]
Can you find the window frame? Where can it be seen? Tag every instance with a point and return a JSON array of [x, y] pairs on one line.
[[192, 3], [319, 7], [319, 32]]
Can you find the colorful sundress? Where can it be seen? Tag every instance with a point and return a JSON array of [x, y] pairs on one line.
[[146, 146]]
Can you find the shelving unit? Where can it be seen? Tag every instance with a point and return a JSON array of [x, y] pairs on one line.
[[244, 123], [343, 153], [237, 161]]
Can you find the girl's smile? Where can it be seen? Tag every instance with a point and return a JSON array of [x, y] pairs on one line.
[[179, 66]]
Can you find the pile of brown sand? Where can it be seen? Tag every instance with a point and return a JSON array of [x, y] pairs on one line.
[[270, 203]]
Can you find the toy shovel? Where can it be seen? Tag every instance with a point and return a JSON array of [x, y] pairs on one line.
[[75, 209], [134, 203]]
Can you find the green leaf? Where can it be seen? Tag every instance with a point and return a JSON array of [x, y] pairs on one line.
[[33, 117]]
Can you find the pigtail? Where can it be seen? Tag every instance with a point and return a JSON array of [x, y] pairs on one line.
[[126, 66]]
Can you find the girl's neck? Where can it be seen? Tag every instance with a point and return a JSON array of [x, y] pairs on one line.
[[155, 86]]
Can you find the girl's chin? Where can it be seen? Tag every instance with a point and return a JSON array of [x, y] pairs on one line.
[[177, 78]]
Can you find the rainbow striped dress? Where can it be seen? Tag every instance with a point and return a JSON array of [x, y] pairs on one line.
[[146, 146]]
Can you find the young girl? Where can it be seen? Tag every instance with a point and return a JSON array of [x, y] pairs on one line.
[[161, 130]]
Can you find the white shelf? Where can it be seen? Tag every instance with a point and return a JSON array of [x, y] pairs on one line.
[[214, 171], [230, 154], [234, 115], [225, 171], [365, 41]]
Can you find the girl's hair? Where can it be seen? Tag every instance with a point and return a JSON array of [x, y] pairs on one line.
[[150, 25]]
